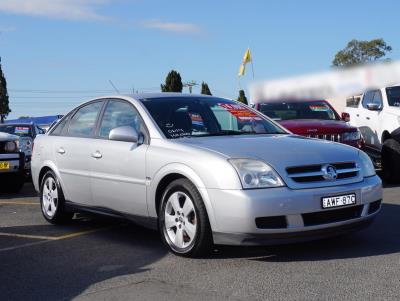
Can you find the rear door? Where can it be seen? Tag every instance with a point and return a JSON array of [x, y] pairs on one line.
[[72, 152], [118, 170]]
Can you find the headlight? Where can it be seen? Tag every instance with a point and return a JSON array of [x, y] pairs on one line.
[[352, 136], [256, 174], [367, 167], [11, 146]]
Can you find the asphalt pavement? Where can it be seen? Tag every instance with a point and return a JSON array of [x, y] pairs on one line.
[[109, 259]]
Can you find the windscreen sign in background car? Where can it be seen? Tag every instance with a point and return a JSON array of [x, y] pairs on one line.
[[314, 119], [203, 170]]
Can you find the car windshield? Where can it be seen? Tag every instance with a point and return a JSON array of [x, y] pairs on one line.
[[19, 130], [393, 96], [298, 110], [179, 117]]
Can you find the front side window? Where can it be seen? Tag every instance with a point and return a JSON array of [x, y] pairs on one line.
[[191, 117], [298, 110], [83, 122], [393, 96], [368, 98], [117, 114]]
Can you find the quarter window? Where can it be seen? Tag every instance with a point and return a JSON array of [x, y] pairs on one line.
[[83, 123], [117, 114]]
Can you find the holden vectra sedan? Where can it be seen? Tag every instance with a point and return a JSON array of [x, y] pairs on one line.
[[203, 170]]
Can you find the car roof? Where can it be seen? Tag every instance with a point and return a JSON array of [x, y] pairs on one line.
[[144, 96]]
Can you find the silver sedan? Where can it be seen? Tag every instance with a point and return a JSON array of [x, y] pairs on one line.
[[203, 170]]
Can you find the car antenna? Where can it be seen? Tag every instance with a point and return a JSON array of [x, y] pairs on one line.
[[115, 88]]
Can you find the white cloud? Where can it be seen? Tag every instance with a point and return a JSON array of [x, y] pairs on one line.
[[188, 28], [60, 9]]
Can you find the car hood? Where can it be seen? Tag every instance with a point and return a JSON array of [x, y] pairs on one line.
[[280, 151], [7, 137], [316, 126]]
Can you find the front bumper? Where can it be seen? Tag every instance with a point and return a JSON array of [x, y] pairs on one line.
[[236, 212], [16, 162]]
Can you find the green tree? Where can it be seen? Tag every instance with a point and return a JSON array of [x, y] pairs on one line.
[[360, 52], [173, 82], [242, 97], [205, 89], [4, 103]]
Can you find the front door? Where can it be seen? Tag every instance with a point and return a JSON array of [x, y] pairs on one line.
[[118, 171]]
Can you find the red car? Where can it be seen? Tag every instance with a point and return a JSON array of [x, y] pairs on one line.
[[315, 119]]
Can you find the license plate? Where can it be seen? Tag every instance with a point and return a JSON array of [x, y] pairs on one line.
[[4, 165], [338, 201]]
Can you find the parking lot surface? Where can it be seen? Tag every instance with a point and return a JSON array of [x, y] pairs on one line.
[[102, 259]]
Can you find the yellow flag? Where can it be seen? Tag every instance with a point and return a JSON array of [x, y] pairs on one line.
[[242, 69], [246, 59]]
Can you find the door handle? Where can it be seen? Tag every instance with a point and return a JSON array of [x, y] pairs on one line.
[[368, 118], [61, 151], [97, 155]]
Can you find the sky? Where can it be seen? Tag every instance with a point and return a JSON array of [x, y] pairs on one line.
[[58, 53]]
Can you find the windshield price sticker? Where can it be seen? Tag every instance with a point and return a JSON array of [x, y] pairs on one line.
[[240, 112], [319, 108]]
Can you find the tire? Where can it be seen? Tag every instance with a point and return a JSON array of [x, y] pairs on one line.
[[52, 202], [183, 220], [391, 161]]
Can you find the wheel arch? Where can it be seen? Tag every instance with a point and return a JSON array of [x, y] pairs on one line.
[[165, 176], [385, 135], [49, 166]]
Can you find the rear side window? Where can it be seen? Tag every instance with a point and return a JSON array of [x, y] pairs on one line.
[[83, 122], [117, 114], [58, 128], [353, 102]]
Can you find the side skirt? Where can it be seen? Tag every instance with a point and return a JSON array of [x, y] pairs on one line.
[[145, 221]]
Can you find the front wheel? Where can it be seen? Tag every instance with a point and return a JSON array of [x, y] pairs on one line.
[[52, 200], [183, 220], [391, 161]]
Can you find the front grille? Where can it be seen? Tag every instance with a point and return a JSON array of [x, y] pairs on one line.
[[313, 173], [331, 216], [330, 137], [271, 222]]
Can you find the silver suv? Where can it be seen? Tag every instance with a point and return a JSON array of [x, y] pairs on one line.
[[202, 170]]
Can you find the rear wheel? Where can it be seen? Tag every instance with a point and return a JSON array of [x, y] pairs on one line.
[[391, 161], [183, 220], [52, 200]]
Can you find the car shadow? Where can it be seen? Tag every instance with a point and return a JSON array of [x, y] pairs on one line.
[[382, 237], [64, 269]]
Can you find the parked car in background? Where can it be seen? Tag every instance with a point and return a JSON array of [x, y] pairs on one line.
[[203, 170], [377, 115], [12, 162], [312, 118], [27, 133]]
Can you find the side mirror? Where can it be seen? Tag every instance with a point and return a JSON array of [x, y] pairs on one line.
[[124, 133], [373, 107], [346, 117]]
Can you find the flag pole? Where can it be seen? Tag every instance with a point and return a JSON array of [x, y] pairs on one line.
[[252, 67]]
